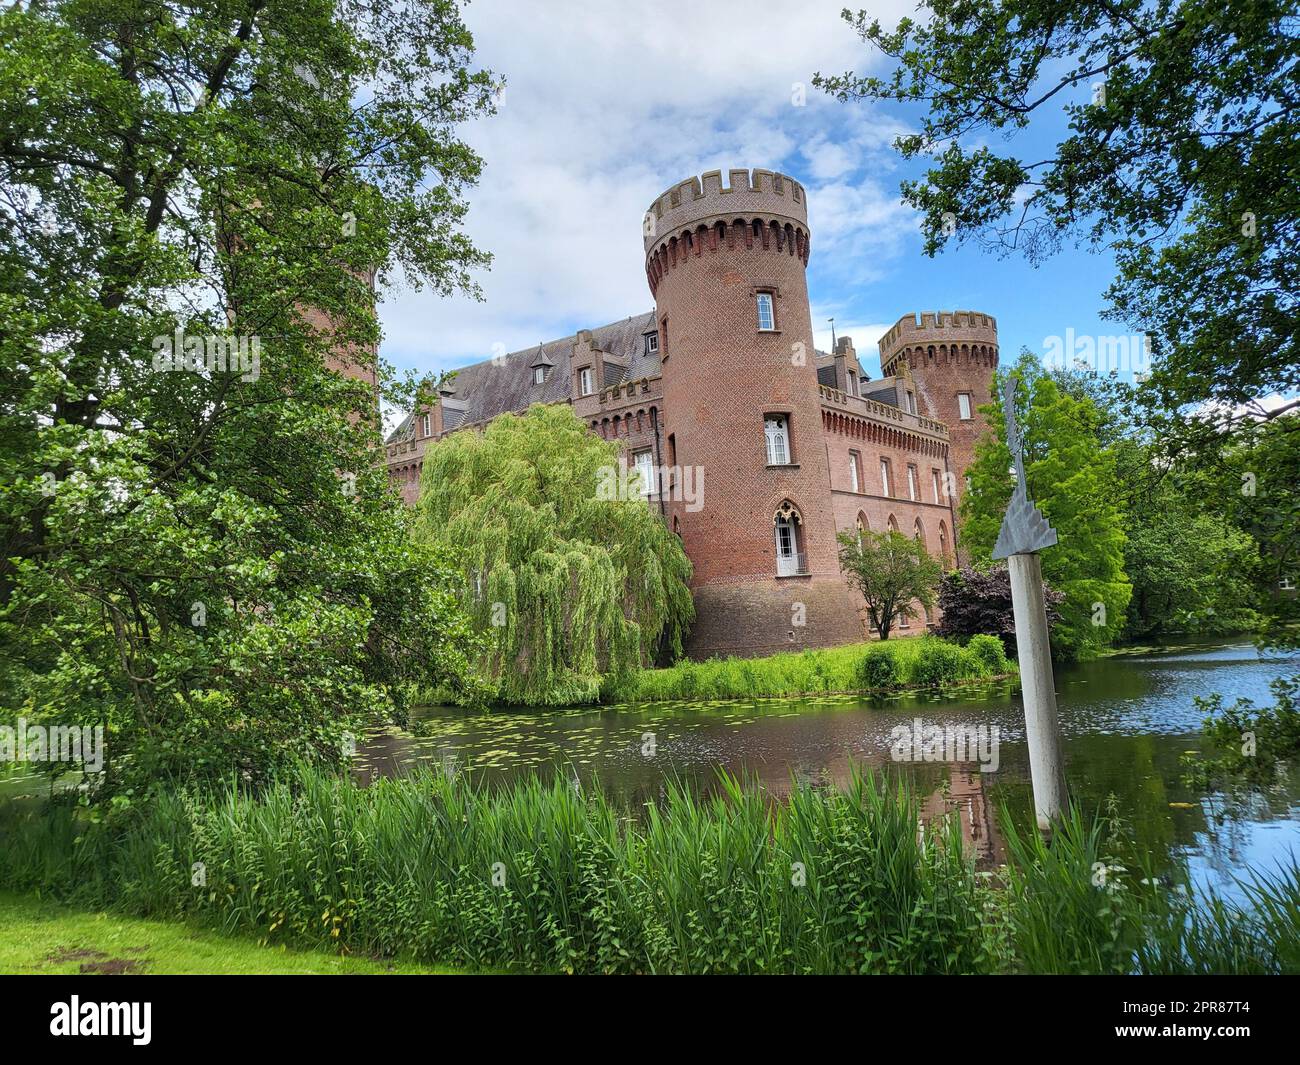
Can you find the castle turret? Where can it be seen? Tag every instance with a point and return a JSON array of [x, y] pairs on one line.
[[726, 264], [951, 357]]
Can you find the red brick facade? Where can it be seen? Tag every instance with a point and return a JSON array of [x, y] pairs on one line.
[[768, 448]]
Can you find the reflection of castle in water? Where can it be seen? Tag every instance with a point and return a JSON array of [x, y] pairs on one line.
[[959, 791]]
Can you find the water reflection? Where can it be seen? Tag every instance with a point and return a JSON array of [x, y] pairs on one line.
[[1127, 721]]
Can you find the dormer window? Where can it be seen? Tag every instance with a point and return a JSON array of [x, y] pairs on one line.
[[539, 374], [426, 425], [585, 384], [651, 343]]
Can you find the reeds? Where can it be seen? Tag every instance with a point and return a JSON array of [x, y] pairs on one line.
[[546, 877]]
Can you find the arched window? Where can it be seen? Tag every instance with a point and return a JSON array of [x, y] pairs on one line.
[[893, 523], [787, 527], [861, 525], [918, 533]]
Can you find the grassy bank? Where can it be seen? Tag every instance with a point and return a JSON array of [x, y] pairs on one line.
[[47, 938], [893, 665], [544, 878]]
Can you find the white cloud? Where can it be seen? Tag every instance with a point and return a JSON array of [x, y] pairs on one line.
[[607, 105]]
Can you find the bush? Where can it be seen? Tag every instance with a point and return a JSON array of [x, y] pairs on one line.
[[989, 650], [944, 663], [975, 602], [879, 671]]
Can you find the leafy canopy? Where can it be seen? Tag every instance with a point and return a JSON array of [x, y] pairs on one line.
[[208, 560], [892, 572], [568, 586], [1179, 154], [1071, 478]]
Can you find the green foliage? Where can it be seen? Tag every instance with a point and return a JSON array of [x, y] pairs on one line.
[[208, 561], [1193, 569], [1072, 481], [1245, 744], [568, 583], [1078, 904], [892, 573], [851, 667], [989, 650], [1185, 168], [879, 669], [546, 878]]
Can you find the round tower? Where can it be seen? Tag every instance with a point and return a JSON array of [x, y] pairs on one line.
[[951, 357], [726, 266]]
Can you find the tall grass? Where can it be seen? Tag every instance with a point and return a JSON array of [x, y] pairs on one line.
[[924, 661], [546, 878]]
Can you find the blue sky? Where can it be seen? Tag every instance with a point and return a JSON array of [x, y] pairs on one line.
[[607, 104]]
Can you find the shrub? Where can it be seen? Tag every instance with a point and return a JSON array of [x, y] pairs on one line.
[[989, 650], [879, 670], [944, 663]]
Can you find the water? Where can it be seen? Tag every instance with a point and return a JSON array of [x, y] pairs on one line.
[[1127, 721]]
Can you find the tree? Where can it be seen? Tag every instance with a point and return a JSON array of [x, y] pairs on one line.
[[891, 572], [565, 568], [1183, 116], [1192, 568], [202, 552], [976, 602], [1072, 480]]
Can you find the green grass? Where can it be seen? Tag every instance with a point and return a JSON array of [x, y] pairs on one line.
[[45, 938], [888, 666], [545, 878]]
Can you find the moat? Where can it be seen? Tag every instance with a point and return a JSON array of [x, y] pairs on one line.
[[1127, 721]]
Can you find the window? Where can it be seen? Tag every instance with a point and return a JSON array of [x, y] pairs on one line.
[[644, 464], [934, 481], [849, 384], [963, 405], [766, 316], [884, 476], [911, 402], [584, 381], [777, 432], [789, 561], [911, 482], [427, 425], [855, 472], [539, 374], [651, 343]]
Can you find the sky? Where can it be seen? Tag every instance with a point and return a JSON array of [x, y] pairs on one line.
[[607, 104]]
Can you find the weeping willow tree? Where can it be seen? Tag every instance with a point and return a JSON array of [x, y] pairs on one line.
[[571, 583]]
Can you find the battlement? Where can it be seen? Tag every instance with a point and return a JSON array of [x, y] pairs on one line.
[[938, 327], [748, 193]]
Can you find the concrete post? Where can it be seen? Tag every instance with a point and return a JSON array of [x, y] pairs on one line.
[[1042, 731]]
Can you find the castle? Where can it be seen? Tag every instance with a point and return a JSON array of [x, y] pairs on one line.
[[721, 382]]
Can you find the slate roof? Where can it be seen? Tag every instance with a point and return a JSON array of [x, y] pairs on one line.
[[489, 388]]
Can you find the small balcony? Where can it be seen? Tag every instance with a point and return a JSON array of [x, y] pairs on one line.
[[794, 564]]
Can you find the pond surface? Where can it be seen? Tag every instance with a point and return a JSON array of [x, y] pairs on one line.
[[1127, 722]]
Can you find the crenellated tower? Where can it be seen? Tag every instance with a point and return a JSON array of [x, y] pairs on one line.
[[726, 264], [951, 357]]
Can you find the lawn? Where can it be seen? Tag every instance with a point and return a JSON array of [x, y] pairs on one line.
[[42, 937]]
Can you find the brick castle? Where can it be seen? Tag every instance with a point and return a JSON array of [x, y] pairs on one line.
[[757, 448]]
